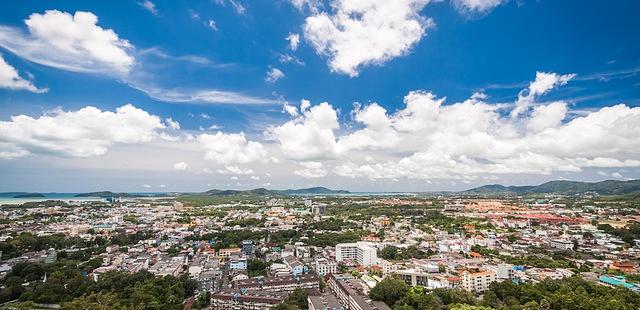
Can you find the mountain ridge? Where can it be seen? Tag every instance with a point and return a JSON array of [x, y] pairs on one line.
[[608, 187]]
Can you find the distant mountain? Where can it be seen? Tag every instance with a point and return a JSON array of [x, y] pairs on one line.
[[609, 187], [267, 192], [104, 194], [251, 192], [312, 191], [29, 195]]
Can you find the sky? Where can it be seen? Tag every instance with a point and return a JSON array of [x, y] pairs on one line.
[[363, 95]]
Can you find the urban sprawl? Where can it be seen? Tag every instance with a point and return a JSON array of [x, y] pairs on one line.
[[322, 252]]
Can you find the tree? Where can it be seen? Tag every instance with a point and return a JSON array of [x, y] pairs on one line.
[[389, 290], [285, 306], [99, 301], [298, 298], [468, 307]]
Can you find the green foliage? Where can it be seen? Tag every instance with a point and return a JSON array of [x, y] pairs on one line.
[[331, 239], [389, 290], [248, 222], [331, 224], [392, 252], [627, 234], [114, 290], [568, 293], [257, 267]]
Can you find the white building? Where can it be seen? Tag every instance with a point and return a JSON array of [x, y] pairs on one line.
[[324, 267], [479, 281], [561, 244], [361, 252]]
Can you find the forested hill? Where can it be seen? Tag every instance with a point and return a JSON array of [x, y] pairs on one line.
[[609, 187]]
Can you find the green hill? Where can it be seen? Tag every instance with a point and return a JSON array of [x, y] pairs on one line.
[[609, 187]]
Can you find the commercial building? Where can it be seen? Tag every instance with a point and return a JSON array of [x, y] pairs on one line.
[[361, 252]]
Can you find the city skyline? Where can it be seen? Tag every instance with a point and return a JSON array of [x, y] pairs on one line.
[[411, 95]]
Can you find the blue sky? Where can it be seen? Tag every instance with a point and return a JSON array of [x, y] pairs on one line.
[[205, 66]]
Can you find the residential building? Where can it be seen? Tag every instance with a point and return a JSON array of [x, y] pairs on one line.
[[246, 299], [324, 267], [279, 284], [362, 253], [478, 281]]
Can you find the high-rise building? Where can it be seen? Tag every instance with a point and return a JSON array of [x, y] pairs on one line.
[[361, 252], [247, 247]]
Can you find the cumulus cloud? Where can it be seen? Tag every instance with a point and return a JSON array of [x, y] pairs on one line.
[[543, 83], [358, 33], [294, 40], [476, 7], [10, 79], [172, 124], [311, 170], [429, 139], [82, 133], [69, 42], [309, 136], [231, 148], [274, 75], [181, 166]]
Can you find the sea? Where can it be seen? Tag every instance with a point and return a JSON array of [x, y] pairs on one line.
[[8, 198]]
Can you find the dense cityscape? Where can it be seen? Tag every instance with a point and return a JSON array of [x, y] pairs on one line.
[[262, 249], [320, 155]]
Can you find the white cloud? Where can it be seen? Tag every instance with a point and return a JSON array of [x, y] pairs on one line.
[[235, 4], [378, 131], [309, 136], [294, 40], [146, 185], [546, 116], [255, 178], [476, 6], [274, 75], [202, 96], [359, 33], [212, 24], [231, 148], [82, 133], [235, 170], [9, 78], [149, 6], [311, 170], [181, 166], [428, 139], [69, 42], [543, 83], [617, 175], [311, 5], [289, 109], [172, 124], [286, 58]]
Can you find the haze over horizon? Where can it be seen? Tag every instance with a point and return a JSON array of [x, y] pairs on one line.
[[411, 95]]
